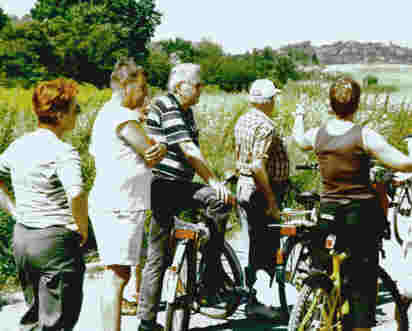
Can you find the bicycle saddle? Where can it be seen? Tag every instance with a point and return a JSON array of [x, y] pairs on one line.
[[308, 196]]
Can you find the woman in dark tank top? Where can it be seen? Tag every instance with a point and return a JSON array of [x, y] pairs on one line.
[[343, 150]]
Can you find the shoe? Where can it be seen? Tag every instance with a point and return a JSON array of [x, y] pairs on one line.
[[129, 307], [152, 326], [257, 310], [406, 302]]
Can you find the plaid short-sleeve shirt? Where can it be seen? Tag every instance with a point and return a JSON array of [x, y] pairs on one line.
[[256, 138]]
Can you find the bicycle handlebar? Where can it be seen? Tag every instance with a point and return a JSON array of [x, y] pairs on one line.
[[312, 166], [408, 136], [292, 229]]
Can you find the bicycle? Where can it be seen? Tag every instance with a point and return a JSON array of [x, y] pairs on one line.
[[402, 203], [183, 277], [294, 253], [322, 304]]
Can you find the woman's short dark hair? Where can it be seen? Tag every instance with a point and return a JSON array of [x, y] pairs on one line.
[[52, 97], [344, 96]]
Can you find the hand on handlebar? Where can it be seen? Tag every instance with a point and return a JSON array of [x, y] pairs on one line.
[[84, 234], [273, 212], [407, 243], [300, 110], [222, 191]]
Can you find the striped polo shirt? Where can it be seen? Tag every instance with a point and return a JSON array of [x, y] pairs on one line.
[[167, 121]]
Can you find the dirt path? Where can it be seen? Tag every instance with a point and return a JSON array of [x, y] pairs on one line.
[[90, 321]]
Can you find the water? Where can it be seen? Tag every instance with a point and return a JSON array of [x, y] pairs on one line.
[[399, 75]]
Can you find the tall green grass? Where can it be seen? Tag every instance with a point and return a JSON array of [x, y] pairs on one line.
[[216, 115]]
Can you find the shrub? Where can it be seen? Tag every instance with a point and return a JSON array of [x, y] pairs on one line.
[[370, 80]]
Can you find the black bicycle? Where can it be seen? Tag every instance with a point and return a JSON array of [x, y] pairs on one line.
[[294, 259], [184, 277]]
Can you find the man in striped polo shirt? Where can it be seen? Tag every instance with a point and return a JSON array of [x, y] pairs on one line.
[[170, 120]]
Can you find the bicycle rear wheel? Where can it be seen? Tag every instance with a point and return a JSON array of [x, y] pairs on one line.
[[389, 303], [297, 262], [405, 198], [312, 302], [295, 269], [178, 312], [230, 299]]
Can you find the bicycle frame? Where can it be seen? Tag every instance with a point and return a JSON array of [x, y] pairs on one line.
[[335, 306], [405, 193], [173, 281]]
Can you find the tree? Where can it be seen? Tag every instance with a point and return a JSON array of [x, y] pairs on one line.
[[4, 19], [284, 69], [88, 37], [183, 48], [86, 49], [158, 68], [24, 50], [138, 18], [48, 9]]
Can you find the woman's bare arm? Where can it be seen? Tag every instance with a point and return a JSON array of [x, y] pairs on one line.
[[304, 140], [380, 149]]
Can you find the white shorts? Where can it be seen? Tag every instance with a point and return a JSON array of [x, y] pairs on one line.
[[119, 236]]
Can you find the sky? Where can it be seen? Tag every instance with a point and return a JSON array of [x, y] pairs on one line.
[[241, 25]]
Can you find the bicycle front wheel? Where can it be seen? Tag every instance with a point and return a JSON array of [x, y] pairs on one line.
[[228, 297], [312, 307], [178, 311], [389, 303], [404, 200]]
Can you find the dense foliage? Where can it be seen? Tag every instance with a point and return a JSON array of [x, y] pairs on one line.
[[80, 40], [234, 72], [4, 19]]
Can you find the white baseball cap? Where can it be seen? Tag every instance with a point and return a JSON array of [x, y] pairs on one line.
[[262, 90]]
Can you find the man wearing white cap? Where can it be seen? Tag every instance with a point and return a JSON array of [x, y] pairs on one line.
[[263, 166], [171, 120]]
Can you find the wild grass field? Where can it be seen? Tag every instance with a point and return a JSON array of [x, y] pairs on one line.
[[216, 115]]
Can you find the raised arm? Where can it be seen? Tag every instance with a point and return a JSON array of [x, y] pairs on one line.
[[195, 157], [304, 140], [391, 157]]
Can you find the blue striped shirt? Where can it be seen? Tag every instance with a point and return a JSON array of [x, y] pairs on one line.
[[168, 122]]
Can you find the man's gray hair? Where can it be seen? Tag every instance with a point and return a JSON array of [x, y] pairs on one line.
[[184, 72], [125, 70]]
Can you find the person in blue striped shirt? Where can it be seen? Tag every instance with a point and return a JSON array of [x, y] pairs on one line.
[[170, 120]]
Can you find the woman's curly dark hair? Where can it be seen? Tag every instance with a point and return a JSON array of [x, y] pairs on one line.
[[52, 97], [344, 96]]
